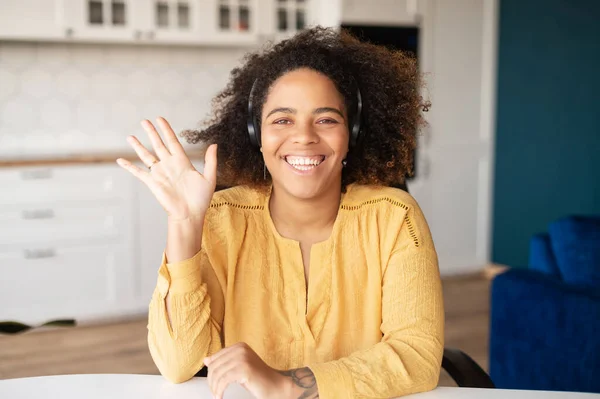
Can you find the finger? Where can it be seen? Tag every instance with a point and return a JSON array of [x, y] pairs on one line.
[[145, 156], [216, 365], [157, 143], [143, 175], [173, 143], [220, 383], [210, 164], [223, 352]]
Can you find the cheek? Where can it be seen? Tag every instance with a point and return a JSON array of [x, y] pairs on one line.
[[270, 143], [338, 142]]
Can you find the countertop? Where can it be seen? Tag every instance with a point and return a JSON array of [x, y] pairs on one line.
[[75, 159]]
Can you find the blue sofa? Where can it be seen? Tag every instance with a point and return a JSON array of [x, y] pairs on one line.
[[545, 320]]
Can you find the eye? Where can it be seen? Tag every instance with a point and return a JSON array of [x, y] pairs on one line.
[[327, 121], [281, 122]]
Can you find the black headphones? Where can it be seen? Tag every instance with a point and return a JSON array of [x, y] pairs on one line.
[[254, 131]]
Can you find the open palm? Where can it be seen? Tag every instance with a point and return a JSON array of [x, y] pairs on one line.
[[183, 192]]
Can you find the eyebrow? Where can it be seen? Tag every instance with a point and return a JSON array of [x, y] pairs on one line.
[[320, 110]]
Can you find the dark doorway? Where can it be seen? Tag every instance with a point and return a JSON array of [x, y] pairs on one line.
[[393, 37]]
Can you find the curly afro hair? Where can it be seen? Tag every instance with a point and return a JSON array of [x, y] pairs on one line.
[[389, 83]]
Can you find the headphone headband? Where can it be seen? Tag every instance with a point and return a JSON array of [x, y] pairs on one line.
[[254, 131]]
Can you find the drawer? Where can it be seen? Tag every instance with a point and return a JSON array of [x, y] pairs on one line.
[[32, 184], [30, 223], [54, 281]]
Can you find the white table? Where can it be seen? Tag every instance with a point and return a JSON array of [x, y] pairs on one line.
[[127, 386]]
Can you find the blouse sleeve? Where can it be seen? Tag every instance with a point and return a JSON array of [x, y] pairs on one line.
[[196, 312], [408, 358]]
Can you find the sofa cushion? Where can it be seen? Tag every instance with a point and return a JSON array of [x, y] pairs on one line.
[[576, 246], [541, 257]]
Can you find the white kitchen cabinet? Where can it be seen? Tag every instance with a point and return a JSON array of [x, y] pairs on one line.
[[102, 20], [166, 22], [152, 239], [59, 280], [280, 19], [32, 20], [235, 21], [174, 21], [382, 12], [50, 184], [68, 244], [78, 241]]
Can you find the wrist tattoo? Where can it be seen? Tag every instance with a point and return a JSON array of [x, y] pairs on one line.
[[304, 379]]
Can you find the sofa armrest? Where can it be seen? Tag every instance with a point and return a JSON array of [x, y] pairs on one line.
[[543, 333]]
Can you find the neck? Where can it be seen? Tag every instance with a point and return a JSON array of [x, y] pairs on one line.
[[297, 216]]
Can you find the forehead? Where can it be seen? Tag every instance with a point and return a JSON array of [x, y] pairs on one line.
[[302, 86]]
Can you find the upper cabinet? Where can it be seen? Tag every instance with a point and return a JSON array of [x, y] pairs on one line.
[[280, 19], [290, 17], [31, 20], [162, 21], [384, 12], [111, 20], [194, 22]]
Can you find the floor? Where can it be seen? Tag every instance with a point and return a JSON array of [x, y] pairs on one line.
[[121, 347]]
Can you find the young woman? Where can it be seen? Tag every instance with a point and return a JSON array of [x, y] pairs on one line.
[[312, 277]]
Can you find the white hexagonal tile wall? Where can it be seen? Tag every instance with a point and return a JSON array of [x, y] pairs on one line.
[[18, 112], [53, 56], [171, 83], [56, 113], [99, 93], [106, 85], [8, 83], [89, 57], [125, 116], [200, 83], [91, 115], [17, 55], [188, 114], [71, 82], [37, 82], [119, 56], [140, 84]]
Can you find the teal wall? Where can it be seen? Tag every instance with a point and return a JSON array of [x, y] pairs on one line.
[[548, 120]]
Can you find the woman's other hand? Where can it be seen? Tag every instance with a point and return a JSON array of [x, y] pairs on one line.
[[240, 364], [183, 192]]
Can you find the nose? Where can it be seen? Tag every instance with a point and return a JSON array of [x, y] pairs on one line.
[[305, 134]]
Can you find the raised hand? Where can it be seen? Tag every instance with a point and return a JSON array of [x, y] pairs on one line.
[[183, 192]]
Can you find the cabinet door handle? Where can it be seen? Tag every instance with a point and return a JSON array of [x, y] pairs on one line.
[[38, 214], [150, 35], [39, 253], [69, 32], [137, 34], [39, 174]]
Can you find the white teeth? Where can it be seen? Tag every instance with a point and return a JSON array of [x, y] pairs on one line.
[[303, 162]]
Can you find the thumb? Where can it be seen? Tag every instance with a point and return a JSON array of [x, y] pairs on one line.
[[210, 164]]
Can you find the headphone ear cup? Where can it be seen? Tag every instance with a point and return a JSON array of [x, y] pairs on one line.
[[253, 130], [257, 138], [355, 134]]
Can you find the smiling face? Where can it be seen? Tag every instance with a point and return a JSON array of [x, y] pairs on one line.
[[304, 133]]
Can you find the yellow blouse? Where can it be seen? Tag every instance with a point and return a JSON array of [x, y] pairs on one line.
[[373, 321]]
